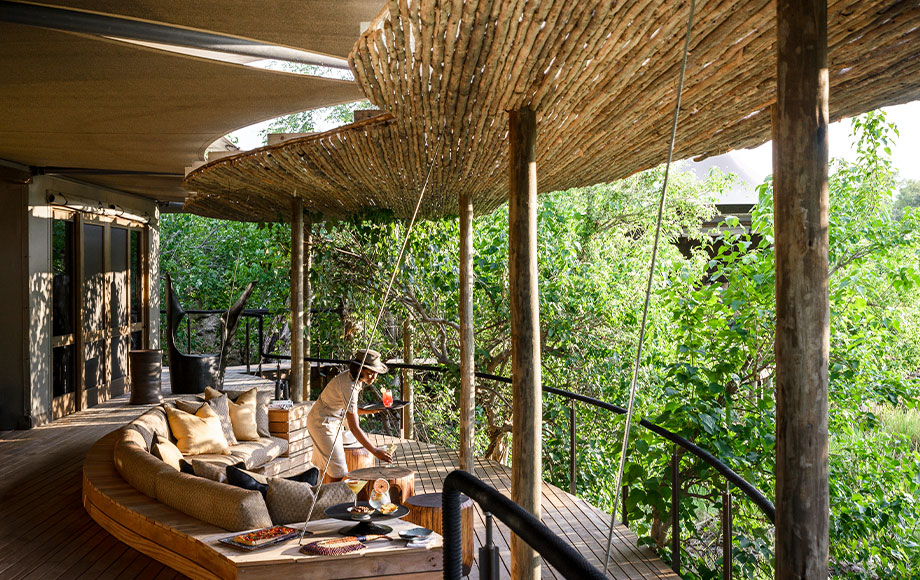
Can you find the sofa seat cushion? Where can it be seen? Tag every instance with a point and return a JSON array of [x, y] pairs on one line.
[[135, 464], [231, 508], [255, 454]]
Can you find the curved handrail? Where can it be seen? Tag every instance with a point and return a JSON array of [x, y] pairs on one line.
[[563, 557], [754, 494]]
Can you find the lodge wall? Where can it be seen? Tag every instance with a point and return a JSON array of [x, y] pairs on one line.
[[26, 334]]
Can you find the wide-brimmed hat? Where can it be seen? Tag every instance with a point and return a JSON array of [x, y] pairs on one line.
[[370, 359]]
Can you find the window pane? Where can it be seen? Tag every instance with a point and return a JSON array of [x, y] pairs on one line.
[[93, 278], [64, 376], [62, 314], [118, 293], [137, 290]]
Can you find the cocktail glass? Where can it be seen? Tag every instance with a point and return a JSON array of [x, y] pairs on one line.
[[355, 485], [387, 398]]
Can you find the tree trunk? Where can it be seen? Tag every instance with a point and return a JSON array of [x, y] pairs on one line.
[[526, 467], [802, 304]]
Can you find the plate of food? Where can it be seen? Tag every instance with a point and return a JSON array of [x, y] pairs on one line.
[[260, 538], [414, 533]]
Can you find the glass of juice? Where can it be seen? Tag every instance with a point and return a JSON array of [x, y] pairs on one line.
[[355, 485], [387, 398]]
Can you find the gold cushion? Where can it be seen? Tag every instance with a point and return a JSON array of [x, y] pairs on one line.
[[199, 433], [167, 451], [242, 413]]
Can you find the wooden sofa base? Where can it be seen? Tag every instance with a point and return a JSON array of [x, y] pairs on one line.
[[182, 542]]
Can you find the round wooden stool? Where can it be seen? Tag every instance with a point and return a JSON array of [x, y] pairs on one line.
[[357, 457], [425, 510], [401, 479]]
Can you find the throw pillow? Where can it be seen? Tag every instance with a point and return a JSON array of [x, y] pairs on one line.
[[209, 470], [289, 501], [199, 433], [189, 406], [186, 467], [242, 478], [221, 405], [310, 476], [243, 415], [165, 450], [263, 399]]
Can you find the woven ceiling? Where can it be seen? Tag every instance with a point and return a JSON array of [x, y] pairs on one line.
[[600, 74]]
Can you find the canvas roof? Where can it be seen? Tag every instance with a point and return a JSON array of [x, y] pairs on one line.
[[133, 118]]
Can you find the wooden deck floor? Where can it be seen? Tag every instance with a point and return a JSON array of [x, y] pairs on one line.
[[46, 534]]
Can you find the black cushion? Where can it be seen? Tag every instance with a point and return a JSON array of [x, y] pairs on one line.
[[239, 478], [310, 476], [186, 467]]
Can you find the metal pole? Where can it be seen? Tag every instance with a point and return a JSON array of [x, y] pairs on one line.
[[572, 459], [727, 531], [248, 353], [675, 506], [261, 340]]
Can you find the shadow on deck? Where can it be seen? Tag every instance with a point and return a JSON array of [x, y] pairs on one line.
[[45, 532]]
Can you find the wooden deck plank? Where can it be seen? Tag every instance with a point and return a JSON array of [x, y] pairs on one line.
[[47, 534]]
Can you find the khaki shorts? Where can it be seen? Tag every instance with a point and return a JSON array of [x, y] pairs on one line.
[[323, 431]]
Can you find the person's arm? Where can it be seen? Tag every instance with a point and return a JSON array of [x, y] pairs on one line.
[[378, 452]]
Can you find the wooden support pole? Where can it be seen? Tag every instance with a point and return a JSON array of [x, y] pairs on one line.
[[467, 344], [307, 306], [295, 378], [802, 306], [527, 405], [407, 387]]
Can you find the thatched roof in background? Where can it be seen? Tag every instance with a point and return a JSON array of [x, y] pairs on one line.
[[600, 74]]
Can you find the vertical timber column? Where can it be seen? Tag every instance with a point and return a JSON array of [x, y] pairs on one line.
[[307, 306], [467, 345], [295, 378], [527, 403], [802, 304], [408, 416]]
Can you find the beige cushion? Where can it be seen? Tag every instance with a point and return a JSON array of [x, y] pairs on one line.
[[198, 433], [209, 470], [135, 464], [167, 451], [264, 398], [232, 508], [152, 422], [221, 406], [257, 453], [289, 502], [242, 414]]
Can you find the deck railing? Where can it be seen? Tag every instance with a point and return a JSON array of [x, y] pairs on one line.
[[730, 477]]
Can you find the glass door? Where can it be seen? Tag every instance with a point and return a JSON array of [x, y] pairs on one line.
[[63, 317], [95, 313]]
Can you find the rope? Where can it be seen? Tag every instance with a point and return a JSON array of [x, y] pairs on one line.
[[648, 290], [370, 335]]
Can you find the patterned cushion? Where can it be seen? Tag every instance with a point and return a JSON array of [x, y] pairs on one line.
[[257, 453], [289, 501], [243, 414], [198, 433], [221, 406], [209, 470], [165, 450], [231, 508], [263, 398], [135, 464]]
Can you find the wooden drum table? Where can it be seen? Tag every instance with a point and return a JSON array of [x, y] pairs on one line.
[[425, 510], [357, 457], [401, 479]]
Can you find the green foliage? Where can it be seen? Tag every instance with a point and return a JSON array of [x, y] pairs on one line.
[[707, 369]]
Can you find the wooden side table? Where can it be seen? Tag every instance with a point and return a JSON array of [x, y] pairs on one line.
[[401, 479], [357, 457], [291, 424], [425, 510]]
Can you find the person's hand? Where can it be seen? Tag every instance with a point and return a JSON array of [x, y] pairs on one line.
[[381, 454]]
